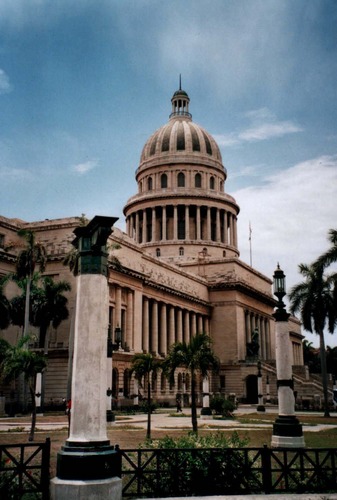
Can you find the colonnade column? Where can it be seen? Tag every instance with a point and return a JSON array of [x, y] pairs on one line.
[[200, 325], [171, 333], [187, 222], [154, 225], [225, 223], [164, 236], [118, 292], [194, 325], [144, 226], [208, 223], [187, 335], [198, 222], [175, 222], [218, 232], [179, 325], [163, 330], [154, 329], [137, 227], [146, 346], [129, 320]]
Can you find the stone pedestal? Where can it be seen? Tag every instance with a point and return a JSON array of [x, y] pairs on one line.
[[100, 489], [287, 431]]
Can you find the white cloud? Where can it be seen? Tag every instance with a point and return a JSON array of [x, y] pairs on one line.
[[83, 168], [5, 85], [13, 174], [290, 216]]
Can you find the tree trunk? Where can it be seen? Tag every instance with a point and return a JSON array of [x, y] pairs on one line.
[[324, 373], [32, 394], [148, 432], [194, 404], [27, 307]]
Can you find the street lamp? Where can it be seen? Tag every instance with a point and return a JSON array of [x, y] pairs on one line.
[[287, 431]]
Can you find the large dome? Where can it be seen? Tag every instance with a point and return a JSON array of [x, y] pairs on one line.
[[180, 140]]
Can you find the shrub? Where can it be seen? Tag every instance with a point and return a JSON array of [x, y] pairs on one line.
[[222, 406]]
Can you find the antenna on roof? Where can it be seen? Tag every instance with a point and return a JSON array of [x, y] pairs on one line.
[[180, 81]]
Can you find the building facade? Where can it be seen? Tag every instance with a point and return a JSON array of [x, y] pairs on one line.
[[174, 272]]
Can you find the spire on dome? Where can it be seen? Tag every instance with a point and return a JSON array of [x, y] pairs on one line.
[[180, 102]]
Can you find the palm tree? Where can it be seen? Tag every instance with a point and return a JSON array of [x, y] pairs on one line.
[[316, 301], [33, 254], [4, 305], [17, 360], [49, 307], [330, 256], [196, 356], [144, 365], [18, 303]]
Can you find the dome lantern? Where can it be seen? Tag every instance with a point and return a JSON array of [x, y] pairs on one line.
[[180, 102]]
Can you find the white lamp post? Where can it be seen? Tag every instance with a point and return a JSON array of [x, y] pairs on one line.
[[287, 431]]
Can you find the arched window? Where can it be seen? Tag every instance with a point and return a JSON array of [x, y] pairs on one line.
[[181, 179], [181, 251], [163, 181], [197, 180], [149, 184], [157, 252], [211, 183]]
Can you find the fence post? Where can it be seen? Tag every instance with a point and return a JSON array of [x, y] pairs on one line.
[[266, 469], [45, 469]]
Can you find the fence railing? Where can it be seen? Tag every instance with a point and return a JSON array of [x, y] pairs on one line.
[[228, 471], [24, 468]]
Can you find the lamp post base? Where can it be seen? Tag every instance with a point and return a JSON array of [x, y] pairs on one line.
[[287, 433]]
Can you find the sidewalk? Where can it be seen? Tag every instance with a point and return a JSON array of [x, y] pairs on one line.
[[161, 421]]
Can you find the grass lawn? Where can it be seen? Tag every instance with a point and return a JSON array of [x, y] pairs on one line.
[[129, 436]]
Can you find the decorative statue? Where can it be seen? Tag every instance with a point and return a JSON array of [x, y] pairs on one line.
[[253, 346]]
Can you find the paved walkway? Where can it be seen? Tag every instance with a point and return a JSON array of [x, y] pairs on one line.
[[162, 421]]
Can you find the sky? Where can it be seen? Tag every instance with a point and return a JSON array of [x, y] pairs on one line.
[[84, 83]]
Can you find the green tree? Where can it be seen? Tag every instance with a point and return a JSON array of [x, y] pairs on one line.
[[49, 307], [144, 365], [196, 356], [16, 360], [18, 303], [32, 255], [330, 256], [315, 300], [4, 305], [311, 357]]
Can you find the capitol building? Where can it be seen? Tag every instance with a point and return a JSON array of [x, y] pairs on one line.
[[174, 272]]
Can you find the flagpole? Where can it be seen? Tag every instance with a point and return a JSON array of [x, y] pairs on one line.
[[250, 245]]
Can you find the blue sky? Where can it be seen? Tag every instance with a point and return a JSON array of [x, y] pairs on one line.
[[83, 84]]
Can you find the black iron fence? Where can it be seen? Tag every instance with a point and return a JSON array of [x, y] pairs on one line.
[[24, 470], [229, 471]]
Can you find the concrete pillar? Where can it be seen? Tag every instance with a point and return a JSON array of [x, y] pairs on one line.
[[137, 227], [187, 334], [218, 232], [179, 325], [171, 333], [129, 321], [163, 330], [198, 223], [146, 342], [154, 225], [175, 222], [194, 324], [144, 235], [187, 222], [154, 329], [164, 224], [209, 234]]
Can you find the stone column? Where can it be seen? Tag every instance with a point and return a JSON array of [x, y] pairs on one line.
[[137, 227], [187, 335], [146, 342], [209, 233], [163, 222], [200, 324], [179, 325], [194, 324], [187, 222], [287, 431], [198, 223], [175, 222], [129, 321], [118, 311], [87, 462], [218, 232], [154, 225], [144, 235], [154, 329], [225, 227], [171, 333], [163, 330]]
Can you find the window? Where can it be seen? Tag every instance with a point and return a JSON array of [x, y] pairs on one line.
[[149, 184], [163, 181], [181, 180], [211, 183], [181, 251], [197, 181], [157, 252]]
